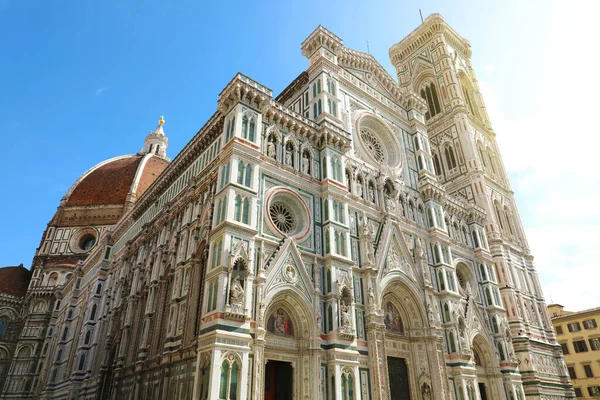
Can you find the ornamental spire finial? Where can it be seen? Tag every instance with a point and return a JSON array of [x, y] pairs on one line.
[[161, 121]]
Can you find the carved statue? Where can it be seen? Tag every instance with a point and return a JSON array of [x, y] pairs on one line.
[[359, 189], [426, 392], [261, 313], [319, 319], [345, 316], [237, 292], [271, 149], [390, 204], [305, 164], [371, 193], [419, 251], [288, 156]]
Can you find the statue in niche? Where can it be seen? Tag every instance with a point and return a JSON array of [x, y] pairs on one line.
[[319, 317], [426, 392], [359, 189], [271, 149], [288, 155], [280, 324], [305, 163], [236, 296], [371, 193], [345, 308]]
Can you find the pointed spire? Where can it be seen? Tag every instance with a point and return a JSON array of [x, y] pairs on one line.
[[156, 141]]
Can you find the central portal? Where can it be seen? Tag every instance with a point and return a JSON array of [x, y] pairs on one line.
[[278, 380]]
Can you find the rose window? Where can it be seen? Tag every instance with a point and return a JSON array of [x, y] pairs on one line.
[[282, 217], [372, 145]]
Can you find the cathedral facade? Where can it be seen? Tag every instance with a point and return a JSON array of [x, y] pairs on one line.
[[353, 238]]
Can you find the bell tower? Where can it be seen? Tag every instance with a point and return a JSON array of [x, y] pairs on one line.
[[434, 61]]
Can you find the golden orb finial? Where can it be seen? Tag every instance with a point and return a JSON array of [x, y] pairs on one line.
[[161, 120]]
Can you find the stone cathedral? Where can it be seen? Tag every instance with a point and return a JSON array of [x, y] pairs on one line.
[[353, 238]]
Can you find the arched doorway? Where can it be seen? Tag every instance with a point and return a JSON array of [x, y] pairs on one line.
[[288, 362], [489, 380], [408, 353]]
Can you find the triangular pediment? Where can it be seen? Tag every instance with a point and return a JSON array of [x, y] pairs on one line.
[[394, 254], [370, 79], [287, 271]]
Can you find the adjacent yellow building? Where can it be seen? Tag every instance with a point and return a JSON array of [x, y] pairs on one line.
[[579, 336]]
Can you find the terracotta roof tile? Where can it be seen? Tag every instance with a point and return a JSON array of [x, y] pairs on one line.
[[108, 184]]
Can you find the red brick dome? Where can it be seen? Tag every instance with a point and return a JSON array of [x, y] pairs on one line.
[[14, 280], [111, 181]]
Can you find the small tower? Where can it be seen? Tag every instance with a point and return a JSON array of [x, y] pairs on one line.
[[156, 141]]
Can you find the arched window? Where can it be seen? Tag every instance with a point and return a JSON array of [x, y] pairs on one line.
[[329, 318], [58, 355], [509, 220], [494, 325], [492, 163], [501, 351], [53, 280], [252, 128], [245, 211], [93, 313], [446, 313], [429, 94], [98, 289], [498, 215], [450, 158], [245, 127], [240, 174], [81, 362], [88, 336], [237, 213], [228, 389], [451, 342], [319, 105], [347, 385], [436, 165], [327, 244], [65, 333], [248, 177]]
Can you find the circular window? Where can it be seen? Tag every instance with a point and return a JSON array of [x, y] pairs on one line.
[[287, 213], [376, 142], [372, 145], [87, 242], [83, 240], [282, 217]]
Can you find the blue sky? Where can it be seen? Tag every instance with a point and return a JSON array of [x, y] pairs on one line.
[[83, 81]]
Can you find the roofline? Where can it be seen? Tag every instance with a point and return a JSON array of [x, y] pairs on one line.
[[569, 314], [89, 171]]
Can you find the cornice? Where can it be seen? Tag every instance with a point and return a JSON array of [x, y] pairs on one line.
[[434, 24]]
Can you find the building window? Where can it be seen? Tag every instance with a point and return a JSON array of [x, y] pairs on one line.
[[588, 371], [450, 158], [559, 330], [436, 165], [88, 335], [572, 373], [594, 390], [578, 392], [229, 379], [574, 327], [594, 343], [565, 348], [347, 386], [589, 323], [580, 346], [429, 94], [81, 362]]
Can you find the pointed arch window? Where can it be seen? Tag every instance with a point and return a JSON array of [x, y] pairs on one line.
[[450, 158], [81, 362], [252, 129], [436, 164], [245, 127], [347, 385], [88, 336], [93, 313], [228, 388], [240, 174], [429, 94]]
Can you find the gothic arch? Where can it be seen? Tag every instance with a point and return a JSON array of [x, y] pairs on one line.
[[296, 308], [405, 296]]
